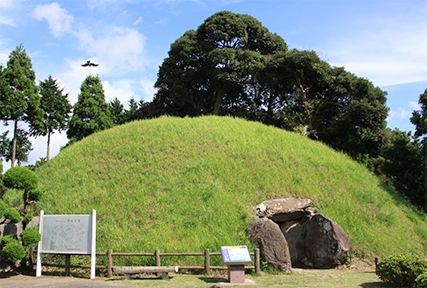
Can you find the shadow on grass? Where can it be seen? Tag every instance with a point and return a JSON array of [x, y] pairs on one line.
[[376, 284], [211, 280]]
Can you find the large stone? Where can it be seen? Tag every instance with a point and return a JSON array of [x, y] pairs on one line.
[[273, 246], [294, 233], [326, 243], [285, 209]]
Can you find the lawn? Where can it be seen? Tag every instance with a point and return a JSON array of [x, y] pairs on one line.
[[298, 278]]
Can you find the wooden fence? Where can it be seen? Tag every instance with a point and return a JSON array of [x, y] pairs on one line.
[[157, 256]]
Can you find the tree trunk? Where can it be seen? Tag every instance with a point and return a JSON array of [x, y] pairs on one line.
[[14, 143], [48, 146], [220, 95]]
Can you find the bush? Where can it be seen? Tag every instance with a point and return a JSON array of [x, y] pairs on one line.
[[35, 195], [3, 207], [12, 215], [30, 237], [8, 239], [20, 178], [401, 270], [27, 219], [13, 252], [422, 280]]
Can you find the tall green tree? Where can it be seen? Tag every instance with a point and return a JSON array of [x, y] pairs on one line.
[[90, 113], [19, 99], [419, 119], [23, 147], [117, 111], [405, 166], [57, 110], [207, 69]]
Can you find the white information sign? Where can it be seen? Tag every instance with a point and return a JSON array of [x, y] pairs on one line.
[[67, 234]]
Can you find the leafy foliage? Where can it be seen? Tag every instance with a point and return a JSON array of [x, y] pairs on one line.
[[19, 100], [422, 280], [419, 119], [20, 178], [401, 270], [12, 215], [30, 237], [11, 238], [56, 109], [22, 148], [91, 113], [405, 166], [13, 252]]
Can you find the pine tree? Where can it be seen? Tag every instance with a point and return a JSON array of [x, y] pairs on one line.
[[91, 113], [57, 110], [19, 100]]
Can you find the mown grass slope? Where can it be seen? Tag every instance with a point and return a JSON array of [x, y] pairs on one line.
[[183, 185]]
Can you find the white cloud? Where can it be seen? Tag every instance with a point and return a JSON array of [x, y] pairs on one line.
[[414, 105], [58, 19], [401, 113], [122, 89], [5, 6], [387, 51], [148, 89], [120, 50], [139, 20]]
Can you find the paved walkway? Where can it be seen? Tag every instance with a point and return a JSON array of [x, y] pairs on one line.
[[21, 281]]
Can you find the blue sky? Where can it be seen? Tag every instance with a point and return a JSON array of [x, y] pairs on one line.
[[384, 41]]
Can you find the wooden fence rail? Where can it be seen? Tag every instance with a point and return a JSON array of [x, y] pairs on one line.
[[157, 255]]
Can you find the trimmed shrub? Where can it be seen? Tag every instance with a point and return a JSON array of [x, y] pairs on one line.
[[401, 270], [35, 195], [13, 252], [20, 178], [8, 239], [30, 237], [12, 215], [422, 280]]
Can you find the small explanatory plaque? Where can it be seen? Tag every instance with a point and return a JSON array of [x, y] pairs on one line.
[[236, 255], [67, 234]]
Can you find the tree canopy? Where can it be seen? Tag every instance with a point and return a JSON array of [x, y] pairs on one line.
[[207, 69], [232, 65], [19, 99], [57, 110], [91, 113]]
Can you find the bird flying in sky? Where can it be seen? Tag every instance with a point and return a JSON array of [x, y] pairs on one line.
[[88, 63]]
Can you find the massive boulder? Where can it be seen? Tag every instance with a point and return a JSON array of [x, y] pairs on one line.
[[273, 246], [285, 209], [326, 243]]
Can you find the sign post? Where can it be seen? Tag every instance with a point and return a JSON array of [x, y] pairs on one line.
[[235, 257], [67, 234]]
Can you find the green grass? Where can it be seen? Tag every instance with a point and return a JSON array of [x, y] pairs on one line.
[[183, 185], [305, 278]]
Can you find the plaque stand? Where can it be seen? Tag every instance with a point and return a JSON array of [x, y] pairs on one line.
[[236, 273]]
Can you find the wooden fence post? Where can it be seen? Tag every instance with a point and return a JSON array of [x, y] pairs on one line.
[[257, 261], [67, 265], [157, 255], [109, 263], [207, 262]]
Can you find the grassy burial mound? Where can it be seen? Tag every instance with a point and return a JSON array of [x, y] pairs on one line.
[[186, 184]]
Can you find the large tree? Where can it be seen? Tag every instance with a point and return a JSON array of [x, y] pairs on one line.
[[207, 70], [91, 113], [419, 119], [57, 110], [19, 100]]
